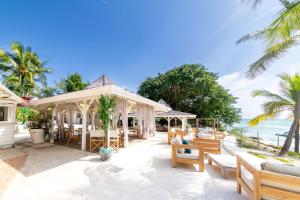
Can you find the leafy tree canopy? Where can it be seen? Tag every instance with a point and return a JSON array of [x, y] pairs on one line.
[[22, 70], [73, 82], [192, 88]]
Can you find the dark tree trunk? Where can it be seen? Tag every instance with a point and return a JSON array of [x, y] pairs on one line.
[[297, 140], [289, 139]]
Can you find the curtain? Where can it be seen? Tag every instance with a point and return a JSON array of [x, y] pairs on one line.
[[69, 117], [124, 115], [146, 119]]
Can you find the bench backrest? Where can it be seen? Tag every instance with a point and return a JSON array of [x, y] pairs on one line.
[[266, 185], [210, 145]]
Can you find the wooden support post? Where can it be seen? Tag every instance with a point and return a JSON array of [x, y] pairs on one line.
[[93, 120], [13, 119], [183, 124], [52, 125], [84, 109]]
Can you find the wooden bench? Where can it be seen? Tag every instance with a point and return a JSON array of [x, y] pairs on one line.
[[261, 184], [209, 145], [226, 163]]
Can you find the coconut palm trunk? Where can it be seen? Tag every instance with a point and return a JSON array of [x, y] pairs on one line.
[[297, 140], [292, 130]]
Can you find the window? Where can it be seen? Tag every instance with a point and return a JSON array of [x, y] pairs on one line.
[[3, 113]]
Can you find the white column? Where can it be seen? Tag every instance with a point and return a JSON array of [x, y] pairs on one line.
[[84, 125], [183, 124], [169, 125], [93, 120], [13, 120], [52, 125]]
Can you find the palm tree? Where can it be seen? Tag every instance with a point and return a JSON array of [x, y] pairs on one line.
[[282, 34], [280, 103], [22, 69]]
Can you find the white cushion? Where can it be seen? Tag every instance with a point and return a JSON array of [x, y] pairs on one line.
[[193, 156], [188, 137], [97, 133], [178, 140], [205, 136], [281, 168], [114, 133]]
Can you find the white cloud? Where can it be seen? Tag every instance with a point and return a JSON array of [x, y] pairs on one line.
[[242, 87]]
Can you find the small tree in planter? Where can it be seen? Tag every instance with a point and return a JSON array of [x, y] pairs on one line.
[[38, 126], [105, 110]]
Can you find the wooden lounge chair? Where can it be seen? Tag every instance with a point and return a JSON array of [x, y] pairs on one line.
[[188, 158], [97, 139], [262, 184], [209, 145], [173, 134]]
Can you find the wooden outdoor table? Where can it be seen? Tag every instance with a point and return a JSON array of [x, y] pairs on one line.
[[225, 162]]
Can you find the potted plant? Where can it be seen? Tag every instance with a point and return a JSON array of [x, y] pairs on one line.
[[34, 122], [106, 108]]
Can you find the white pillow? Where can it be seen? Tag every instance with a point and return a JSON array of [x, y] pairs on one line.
[[280, 168], [178, 140]]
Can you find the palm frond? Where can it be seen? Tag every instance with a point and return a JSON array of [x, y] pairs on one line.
[[251, 36], [253, 3], [277, 106], [285, 26], [271, 54], [260, 118], [269, 95]]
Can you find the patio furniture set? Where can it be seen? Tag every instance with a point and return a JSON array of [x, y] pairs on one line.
[[260, 179]]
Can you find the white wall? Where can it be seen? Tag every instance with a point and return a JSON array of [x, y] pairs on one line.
[[7, 128]]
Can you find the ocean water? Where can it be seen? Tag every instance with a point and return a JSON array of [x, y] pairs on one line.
[[267, 130]]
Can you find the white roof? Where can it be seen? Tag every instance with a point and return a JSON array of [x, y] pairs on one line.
[[174, 113], [8, 97], [96, 92]]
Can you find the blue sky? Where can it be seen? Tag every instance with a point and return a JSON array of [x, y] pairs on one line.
[[133, 39]]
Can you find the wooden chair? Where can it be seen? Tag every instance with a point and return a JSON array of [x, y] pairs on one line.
[[97, 139], [219, 135], [173, 134], [188, 158], [209, 145], [114, 138], [261, 184], [72, 136]]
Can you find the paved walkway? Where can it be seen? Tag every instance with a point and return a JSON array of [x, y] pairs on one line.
[[141, 171]]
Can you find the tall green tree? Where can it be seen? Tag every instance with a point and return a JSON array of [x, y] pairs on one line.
[[22, 70], [47, 92], [282, 34], [73, 82], [191, 88], [280, 103]]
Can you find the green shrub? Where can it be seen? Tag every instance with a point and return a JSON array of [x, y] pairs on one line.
[[258, 155], [293, 154]]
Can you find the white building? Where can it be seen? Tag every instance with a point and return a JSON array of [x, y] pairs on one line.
[[8, 104]]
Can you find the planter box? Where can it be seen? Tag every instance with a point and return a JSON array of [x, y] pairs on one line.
[[37, 136]]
